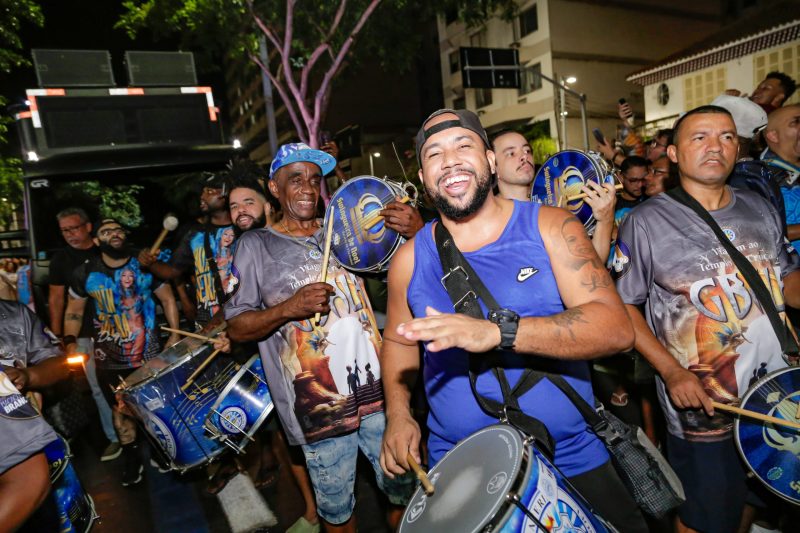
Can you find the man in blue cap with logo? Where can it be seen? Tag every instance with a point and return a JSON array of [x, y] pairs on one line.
[[274, 300]]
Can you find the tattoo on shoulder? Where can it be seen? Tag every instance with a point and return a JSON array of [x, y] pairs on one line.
[[567, 319]]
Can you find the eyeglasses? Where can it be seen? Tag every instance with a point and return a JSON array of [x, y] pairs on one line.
[[71, 229], [655, 143], [658, 172], [108, 232]]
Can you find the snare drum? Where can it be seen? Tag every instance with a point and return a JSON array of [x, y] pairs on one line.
[[360, 241], [494, 480], [772, 452], [172, 417], [75, 508], [563, 175], [242, 406]]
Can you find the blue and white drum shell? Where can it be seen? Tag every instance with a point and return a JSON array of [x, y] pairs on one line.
[[242, 406], [174, 418], [360, 241], [476, 480], [563, 175], [772, 452], [75, 508]]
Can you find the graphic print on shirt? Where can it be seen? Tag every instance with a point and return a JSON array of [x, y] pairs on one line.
[[333, 367], [222, 244], [124, 313], [12, 403]]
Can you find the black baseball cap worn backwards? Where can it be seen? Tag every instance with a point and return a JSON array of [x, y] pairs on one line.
[[465, 119]]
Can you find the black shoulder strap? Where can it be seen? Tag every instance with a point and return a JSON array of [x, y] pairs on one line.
[[464, 288], [786, 339]]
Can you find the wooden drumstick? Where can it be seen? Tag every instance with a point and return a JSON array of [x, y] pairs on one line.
[[618, 187], [170, 224], [422, 476], [377, 218], [326, 254], [756, 415], [199, 369], [188, 334]]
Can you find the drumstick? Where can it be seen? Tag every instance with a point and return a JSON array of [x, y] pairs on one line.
[[188, 334], [170, 224], [756, 415], [326, 254], [618, 187], [199, 369], [377, 218], [422, 476]]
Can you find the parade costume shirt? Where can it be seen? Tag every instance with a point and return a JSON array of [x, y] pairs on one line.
[[517, 272], [192, 253], [324, 378], [790, 187], [698, 304], [24, 341], [125, 329]]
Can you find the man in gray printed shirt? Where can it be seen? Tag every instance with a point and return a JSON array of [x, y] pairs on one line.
[[705, 332], [275, 293]]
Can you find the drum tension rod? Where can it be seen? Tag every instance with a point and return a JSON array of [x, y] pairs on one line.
[[514, 498]]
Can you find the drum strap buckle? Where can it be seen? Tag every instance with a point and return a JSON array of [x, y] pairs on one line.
[[453, 271]]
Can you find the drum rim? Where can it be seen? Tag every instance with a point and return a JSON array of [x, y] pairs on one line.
[[737, 424], [124, 388], [398, 240], [223, 394], [503, 508], [67, 455]]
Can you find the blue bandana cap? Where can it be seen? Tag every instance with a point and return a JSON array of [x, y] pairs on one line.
[[301, 152]]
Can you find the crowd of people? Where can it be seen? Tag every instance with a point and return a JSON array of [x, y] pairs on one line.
[[648, 313]]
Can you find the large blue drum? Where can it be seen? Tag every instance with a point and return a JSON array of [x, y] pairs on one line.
[[360, 241], [75, 508], [494, 480], [174, 418], [242, 406], [563, 175], [772, 452]]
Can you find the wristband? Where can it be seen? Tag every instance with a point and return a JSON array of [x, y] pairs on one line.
[[69, 339]]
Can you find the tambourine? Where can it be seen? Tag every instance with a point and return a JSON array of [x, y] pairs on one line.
[[563, 175], [360, 240], [772, 451]]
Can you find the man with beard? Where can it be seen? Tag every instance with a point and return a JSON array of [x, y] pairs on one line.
[[77, 232], [278, 293], [705, 333], [202, 250], [125, 329], [539, 264]]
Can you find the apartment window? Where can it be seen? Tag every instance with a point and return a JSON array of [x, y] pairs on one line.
[[483, 97], [701, 89], [785, 59], [454, 62], [528, 21], [529, 81]]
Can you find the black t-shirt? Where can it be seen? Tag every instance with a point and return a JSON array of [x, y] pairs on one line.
[[125, 328], [62, 268]]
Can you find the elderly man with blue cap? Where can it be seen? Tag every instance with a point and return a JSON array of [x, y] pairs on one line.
[[311, 365]]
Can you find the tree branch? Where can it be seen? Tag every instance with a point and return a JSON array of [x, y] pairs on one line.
[[302, 131], [329, 75], [263, 27]]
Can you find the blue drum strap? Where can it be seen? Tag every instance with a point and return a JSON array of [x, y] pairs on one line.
[[464, 288]]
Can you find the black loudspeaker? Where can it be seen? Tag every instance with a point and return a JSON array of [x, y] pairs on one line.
[[492, 77], [73, 68], [160, 69]]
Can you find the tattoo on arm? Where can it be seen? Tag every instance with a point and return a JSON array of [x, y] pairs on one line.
[[73, 316], [566, 320], [597, 281], [578, 244]]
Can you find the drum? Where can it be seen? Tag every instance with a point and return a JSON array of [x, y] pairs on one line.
[[174, 418], [75, 508], [772, 452], [242, 407], [563, 175], [494, 480], [360, 241]]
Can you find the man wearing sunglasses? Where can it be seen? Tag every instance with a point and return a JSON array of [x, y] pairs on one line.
[[125, 329]]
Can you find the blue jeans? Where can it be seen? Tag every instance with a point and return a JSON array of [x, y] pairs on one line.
[[86, 345], [332, 468]]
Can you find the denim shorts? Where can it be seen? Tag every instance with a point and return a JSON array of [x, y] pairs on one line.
[[332, 468]]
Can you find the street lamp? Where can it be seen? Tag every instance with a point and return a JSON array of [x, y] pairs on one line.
[[371, 165], [571, 79]]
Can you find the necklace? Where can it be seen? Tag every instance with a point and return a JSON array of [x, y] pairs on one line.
[[307, 238]]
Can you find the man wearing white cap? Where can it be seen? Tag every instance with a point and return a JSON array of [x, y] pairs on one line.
[[309, 363]]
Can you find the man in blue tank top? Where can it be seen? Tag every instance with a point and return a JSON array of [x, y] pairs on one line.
[[540, 266]]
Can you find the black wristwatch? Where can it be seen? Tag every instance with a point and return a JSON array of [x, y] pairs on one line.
[[508, 322]]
